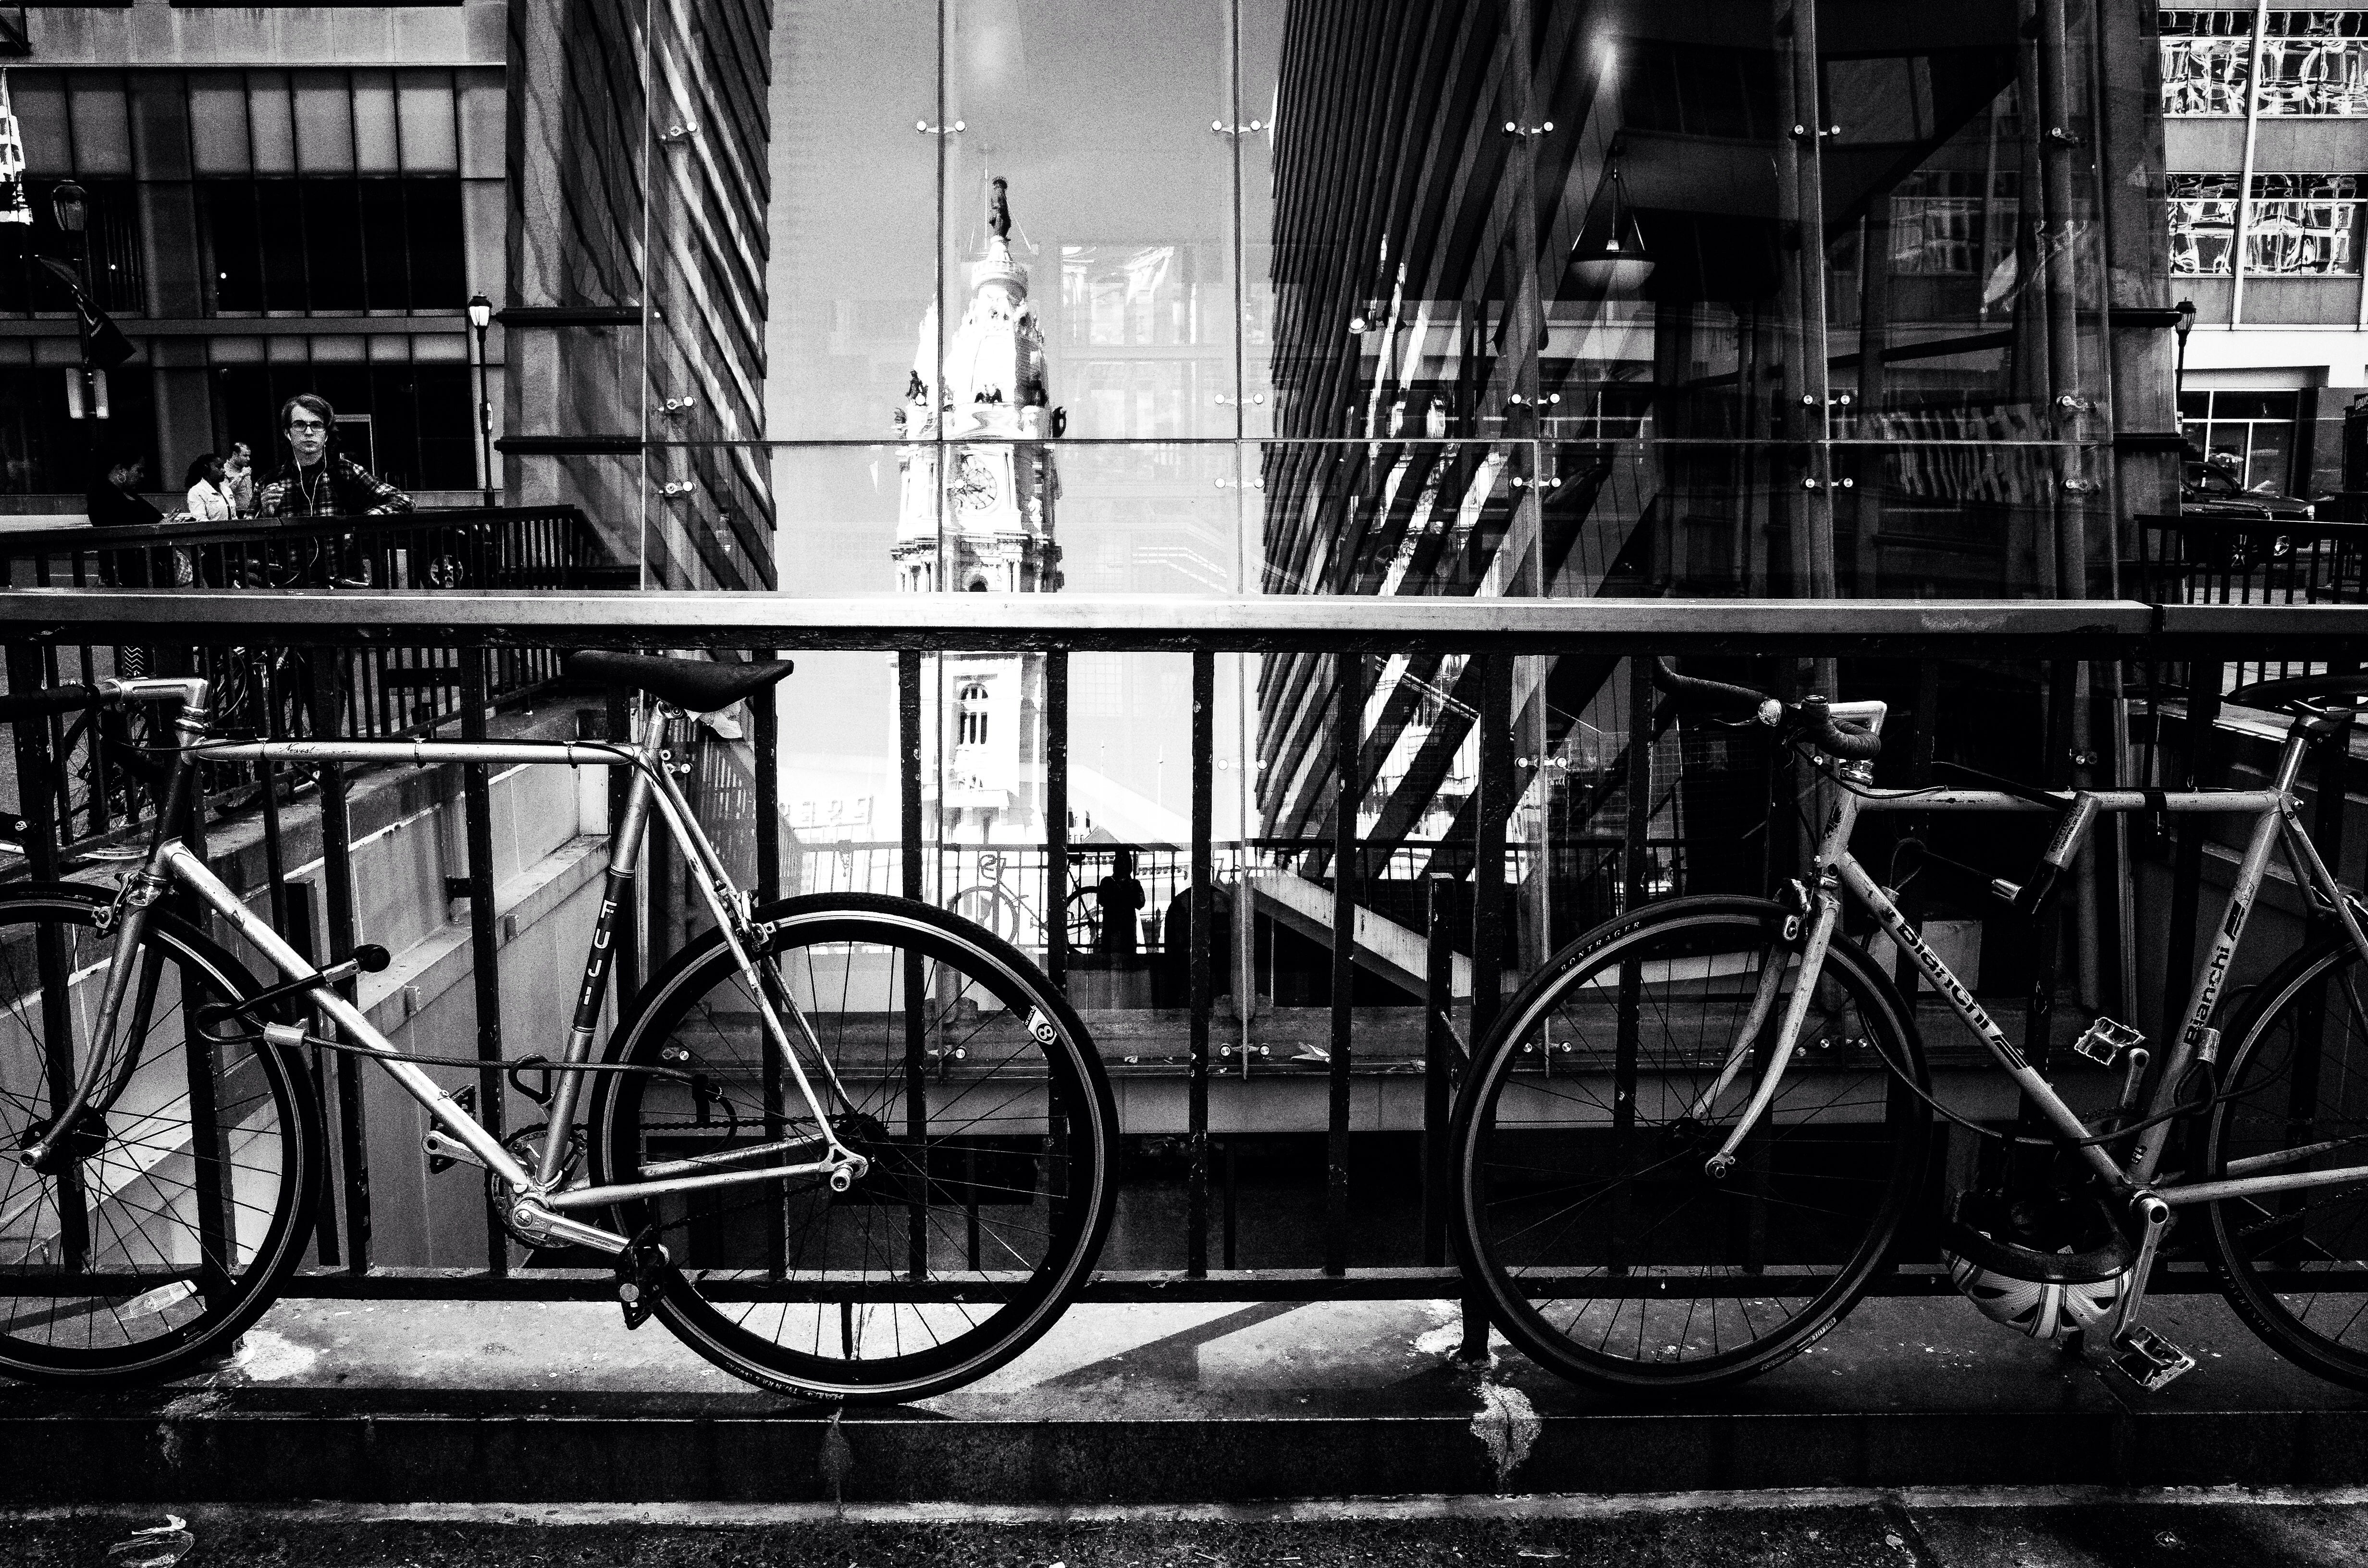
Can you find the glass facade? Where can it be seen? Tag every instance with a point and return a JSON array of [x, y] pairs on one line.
[[1248, 296]]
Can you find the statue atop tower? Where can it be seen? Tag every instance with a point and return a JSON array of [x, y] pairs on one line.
[[985, 524]]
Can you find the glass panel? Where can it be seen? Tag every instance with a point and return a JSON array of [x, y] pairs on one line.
[[2207, 61], [425, 104], [102, 127], [218, 122], [2315, 63], [271, 122], [38, 101], [854, 220], [2307, 226], [374, 134], [2203, 224], [1114, 236], [324, 123]]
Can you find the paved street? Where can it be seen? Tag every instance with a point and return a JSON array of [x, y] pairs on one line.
[[1964, 1529]]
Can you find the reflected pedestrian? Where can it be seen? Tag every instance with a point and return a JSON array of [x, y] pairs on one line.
[[1119, 896], [238, 472], [210, 497]]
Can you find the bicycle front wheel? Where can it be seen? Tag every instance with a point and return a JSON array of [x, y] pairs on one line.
[[188, 1188], [2294, 1263], [1583, 1136], [967, 1082]]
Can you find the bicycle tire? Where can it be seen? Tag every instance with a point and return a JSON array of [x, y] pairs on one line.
[[879, 1290], [2265, 1249], [187, 1224], [1654, 1275]]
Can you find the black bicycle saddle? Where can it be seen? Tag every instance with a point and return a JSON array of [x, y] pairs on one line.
[[695, 686], [2268, 694]]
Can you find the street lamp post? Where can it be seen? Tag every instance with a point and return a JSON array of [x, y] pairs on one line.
[[481, 316], [2182, 326], [70, 206]]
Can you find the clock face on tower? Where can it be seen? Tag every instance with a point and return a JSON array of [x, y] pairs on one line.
[[973, 484]]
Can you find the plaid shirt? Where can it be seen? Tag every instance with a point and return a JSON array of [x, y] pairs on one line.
[[351, 490]]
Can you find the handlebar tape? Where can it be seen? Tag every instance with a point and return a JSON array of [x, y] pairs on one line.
[[34, 704]]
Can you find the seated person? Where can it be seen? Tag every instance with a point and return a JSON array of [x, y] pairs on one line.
[[115, 500]]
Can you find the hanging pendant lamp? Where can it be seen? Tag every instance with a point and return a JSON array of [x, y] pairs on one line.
[[1610, 258]]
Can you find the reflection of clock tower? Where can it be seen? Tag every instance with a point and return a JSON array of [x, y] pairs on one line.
[[986, 528]]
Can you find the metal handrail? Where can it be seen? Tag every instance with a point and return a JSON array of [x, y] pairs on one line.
[[1043, 622]]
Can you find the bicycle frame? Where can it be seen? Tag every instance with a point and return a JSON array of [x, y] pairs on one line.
[[1835, 870], [539, 1205]]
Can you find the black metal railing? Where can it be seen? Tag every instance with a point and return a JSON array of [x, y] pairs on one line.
[[270, 687], [2195, 560], [2003, 685]]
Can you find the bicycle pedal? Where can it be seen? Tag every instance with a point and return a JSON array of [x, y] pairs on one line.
[[638, 1270], [2150, 1361], [2105, 1040]]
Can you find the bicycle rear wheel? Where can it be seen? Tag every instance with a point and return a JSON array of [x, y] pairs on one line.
[[2294, 1264], [191, 1190], [971, 1086], [1582, 1137]]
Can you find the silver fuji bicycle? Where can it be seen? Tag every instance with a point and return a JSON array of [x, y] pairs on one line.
[[845, 1146], [1690, 1142]]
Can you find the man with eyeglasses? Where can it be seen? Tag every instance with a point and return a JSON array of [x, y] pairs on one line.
[[320, 482]]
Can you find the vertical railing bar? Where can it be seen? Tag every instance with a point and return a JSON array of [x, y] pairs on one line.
[[917, 1114], [485, 936], [38, 831], [765, 738], [1627, 1021], [1438, 1060], [1496, 724], [1056, 817], [337, 866], [1347, 719], [1204, 893]]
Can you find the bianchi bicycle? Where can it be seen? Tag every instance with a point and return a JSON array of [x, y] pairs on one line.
[[1690, 1144], [845, 1146]]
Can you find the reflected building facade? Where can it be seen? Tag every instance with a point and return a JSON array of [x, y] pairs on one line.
[[978, 518], [2265, 132], [304, 198]]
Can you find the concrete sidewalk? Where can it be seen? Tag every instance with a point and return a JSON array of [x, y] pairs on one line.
[[544, 1402]]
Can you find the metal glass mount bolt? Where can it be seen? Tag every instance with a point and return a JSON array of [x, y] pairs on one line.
[[1221, 129], [1808, 485], [1808, 399], [680, 131], [926, 129], [2068, 403]]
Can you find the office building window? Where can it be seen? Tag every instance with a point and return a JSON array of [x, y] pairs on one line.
[[2315, 63], [2203, 225], [111, 225], [2302, 225], [2207, 61], [2256, 428], [328, 191], [333, 244], [408, 423], [1939, 222]]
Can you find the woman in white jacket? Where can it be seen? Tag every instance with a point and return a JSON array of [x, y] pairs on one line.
[[210, 499]]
